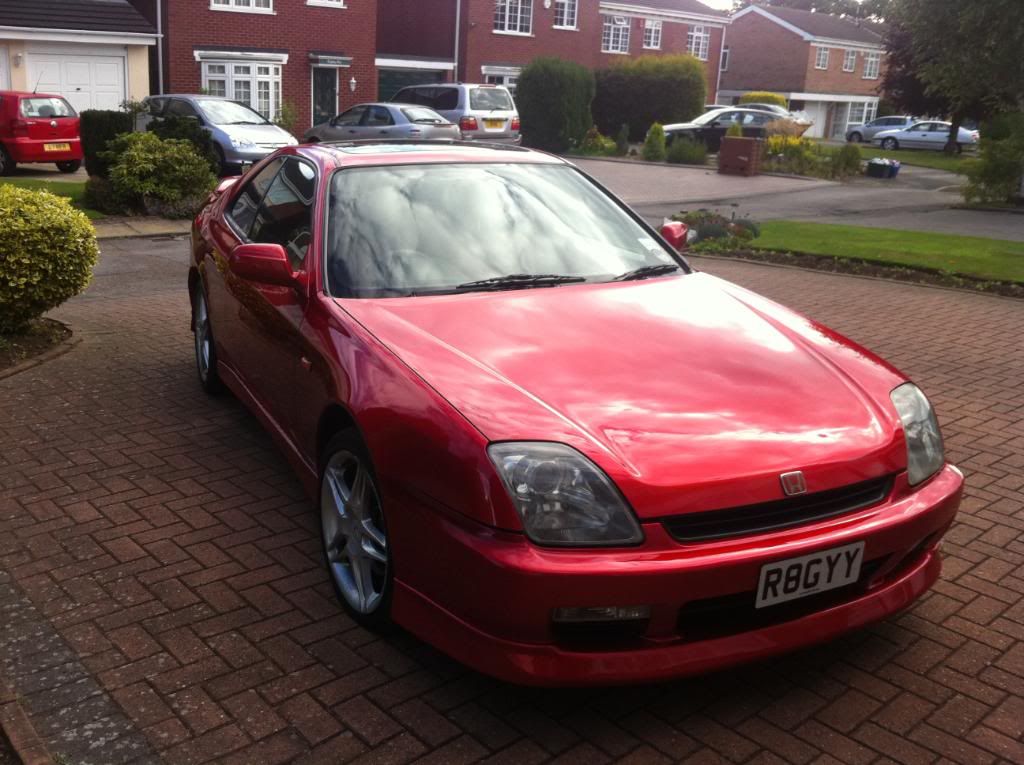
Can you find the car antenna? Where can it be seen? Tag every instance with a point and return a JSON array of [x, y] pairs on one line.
[[38, 80]]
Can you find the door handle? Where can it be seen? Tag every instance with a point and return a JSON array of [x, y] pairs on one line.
[[306, 364]]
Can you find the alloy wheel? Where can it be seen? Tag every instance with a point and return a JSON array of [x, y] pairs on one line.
[[353, 529], [202, 335]]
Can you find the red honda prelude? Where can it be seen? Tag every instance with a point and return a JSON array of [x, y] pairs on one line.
[[540, 440]]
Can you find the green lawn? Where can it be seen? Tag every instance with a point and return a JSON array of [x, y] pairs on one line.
[[73, 190], [992, 259], [936, 160]]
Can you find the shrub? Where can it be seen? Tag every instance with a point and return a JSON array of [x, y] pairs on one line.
[[649, 89], [47, 251], [715, 232], [995, 176], [845, 161], [800, 156], [763, 97], [554, 99], [622, 141], [686, 151], [287, 117], [654, 144], [97, 129], [163, 177], [784, 127], [186, 129], [597, 145], [735, 131]]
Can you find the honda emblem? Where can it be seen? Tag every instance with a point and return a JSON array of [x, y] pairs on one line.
[[793, 483]]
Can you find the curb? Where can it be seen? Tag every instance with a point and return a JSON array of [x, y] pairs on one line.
[[66, 346], [25, 742], [1007, 210]]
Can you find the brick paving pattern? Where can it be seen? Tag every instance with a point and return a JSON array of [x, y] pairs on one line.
[[167, 547]]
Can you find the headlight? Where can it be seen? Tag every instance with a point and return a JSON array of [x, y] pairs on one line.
[[242, 143], [291, 141], [925, 453], [563, 498]]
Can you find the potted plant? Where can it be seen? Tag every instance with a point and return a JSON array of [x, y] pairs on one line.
[[739, 155]]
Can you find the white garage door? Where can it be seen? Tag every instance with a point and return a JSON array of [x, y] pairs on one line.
[[89, 80]]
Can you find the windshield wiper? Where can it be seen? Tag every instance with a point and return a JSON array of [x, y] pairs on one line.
[[645, 272], [246, 122], [520, 281]]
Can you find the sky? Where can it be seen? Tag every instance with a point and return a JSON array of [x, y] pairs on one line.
[[722, 5]]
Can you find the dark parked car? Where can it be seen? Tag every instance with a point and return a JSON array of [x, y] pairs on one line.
[[709, 128]]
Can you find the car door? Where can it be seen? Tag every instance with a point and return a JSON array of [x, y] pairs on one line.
[[915, 136], [713, 133], [378, 122], [270, 316], [754, 124], [937, 135], [348, 124]]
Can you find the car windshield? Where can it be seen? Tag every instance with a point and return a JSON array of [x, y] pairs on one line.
[[417, 229], [230, 112], [421, 114], [44, 107], [489, 98]]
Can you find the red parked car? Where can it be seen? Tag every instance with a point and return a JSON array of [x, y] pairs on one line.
[[541, 441], [38, 127]]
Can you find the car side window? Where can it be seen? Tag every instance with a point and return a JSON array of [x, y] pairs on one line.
[[446, 99], [727, 118], [286, 215], [179, 108], [378, 116], [243, 211], [352, 117], [155, 106]]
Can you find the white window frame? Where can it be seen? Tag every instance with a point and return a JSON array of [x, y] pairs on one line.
[[615, 35], [698, 41], [821, 56], [652, 34], [568, 10], [254, 78], [723, 65], [503, 10], [327, 3], [849, 60], [872, 65], [243, 6]]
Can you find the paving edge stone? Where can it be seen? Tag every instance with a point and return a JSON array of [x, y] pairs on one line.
[[25, 742], [58, 350]]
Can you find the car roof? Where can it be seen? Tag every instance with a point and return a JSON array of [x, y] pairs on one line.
[[337, 154], [27, 94]]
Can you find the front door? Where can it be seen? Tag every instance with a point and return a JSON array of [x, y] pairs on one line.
[[325, 94]]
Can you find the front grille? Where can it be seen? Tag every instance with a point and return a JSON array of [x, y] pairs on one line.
[[732, 614], [778, 514]]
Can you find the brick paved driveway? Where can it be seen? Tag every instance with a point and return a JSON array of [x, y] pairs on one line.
[[161, 597]]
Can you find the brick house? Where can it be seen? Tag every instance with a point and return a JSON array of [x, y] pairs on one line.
[[496, 38], [95, 53], [315, 55], [827, 66]]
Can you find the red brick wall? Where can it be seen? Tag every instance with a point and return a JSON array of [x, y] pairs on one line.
[[764, 56], [481, 45], [295, 27], [835, 80], [416, 28]]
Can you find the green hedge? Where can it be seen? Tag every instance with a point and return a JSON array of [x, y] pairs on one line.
[[554, 99], [188, 129], [995, 176], [649, 89], [97, 129], [47, 251], [763, 97]]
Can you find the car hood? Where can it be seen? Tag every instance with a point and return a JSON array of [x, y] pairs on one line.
[[258, 133], [682, 126], [690, 392]]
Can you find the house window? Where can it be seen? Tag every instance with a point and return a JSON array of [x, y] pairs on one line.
[[252, 6], [513, 17], [565, 13], [698, 40], [725, 59], [652, 34], [821, 58], [849, 60], [510, 81], [615, 35], [256, 84], [872, 63]]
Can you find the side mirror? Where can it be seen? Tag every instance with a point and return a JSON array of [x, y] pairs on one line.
[[674, 232], [264, 263]]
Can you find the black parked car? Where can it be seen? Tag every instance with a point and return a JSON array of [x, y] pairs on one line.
[[709, 128]]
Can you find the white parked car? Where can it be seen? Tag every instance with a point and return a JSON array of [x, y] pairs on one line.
[[925, 135]]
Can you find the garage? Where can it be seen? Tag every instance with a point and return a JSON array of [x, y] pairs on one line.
[[395, 73], [88, 76]]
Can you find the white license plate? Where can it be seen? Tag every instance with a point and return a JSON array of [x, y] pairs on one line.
[[795, 578]]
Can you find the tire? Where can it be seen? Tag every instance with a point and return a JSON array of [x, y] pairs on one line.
[[205, 348], [7, 163], [221, 161], [890, 144], [354, 532], [856, 138], [70, 166]]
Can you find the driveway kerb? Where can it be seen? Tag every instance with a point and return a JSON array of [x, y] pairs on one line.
[[18, 729]]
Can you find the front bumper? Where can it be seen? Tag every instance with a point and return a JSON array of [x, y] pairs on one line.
[[247, 155], [486, 596]]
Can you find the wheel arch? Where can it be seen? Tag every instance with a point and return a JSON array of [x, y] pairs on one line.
[[334, 419]]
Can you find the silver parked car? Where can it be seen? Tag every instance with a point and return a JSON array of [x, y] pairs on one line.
[[482, 112], [241, 135], [869, 130], [925, 135], [384, 121]]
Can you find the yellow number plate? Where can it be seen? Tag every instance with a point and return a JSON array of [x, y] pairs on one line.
[[56, 147], [495, 123]]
